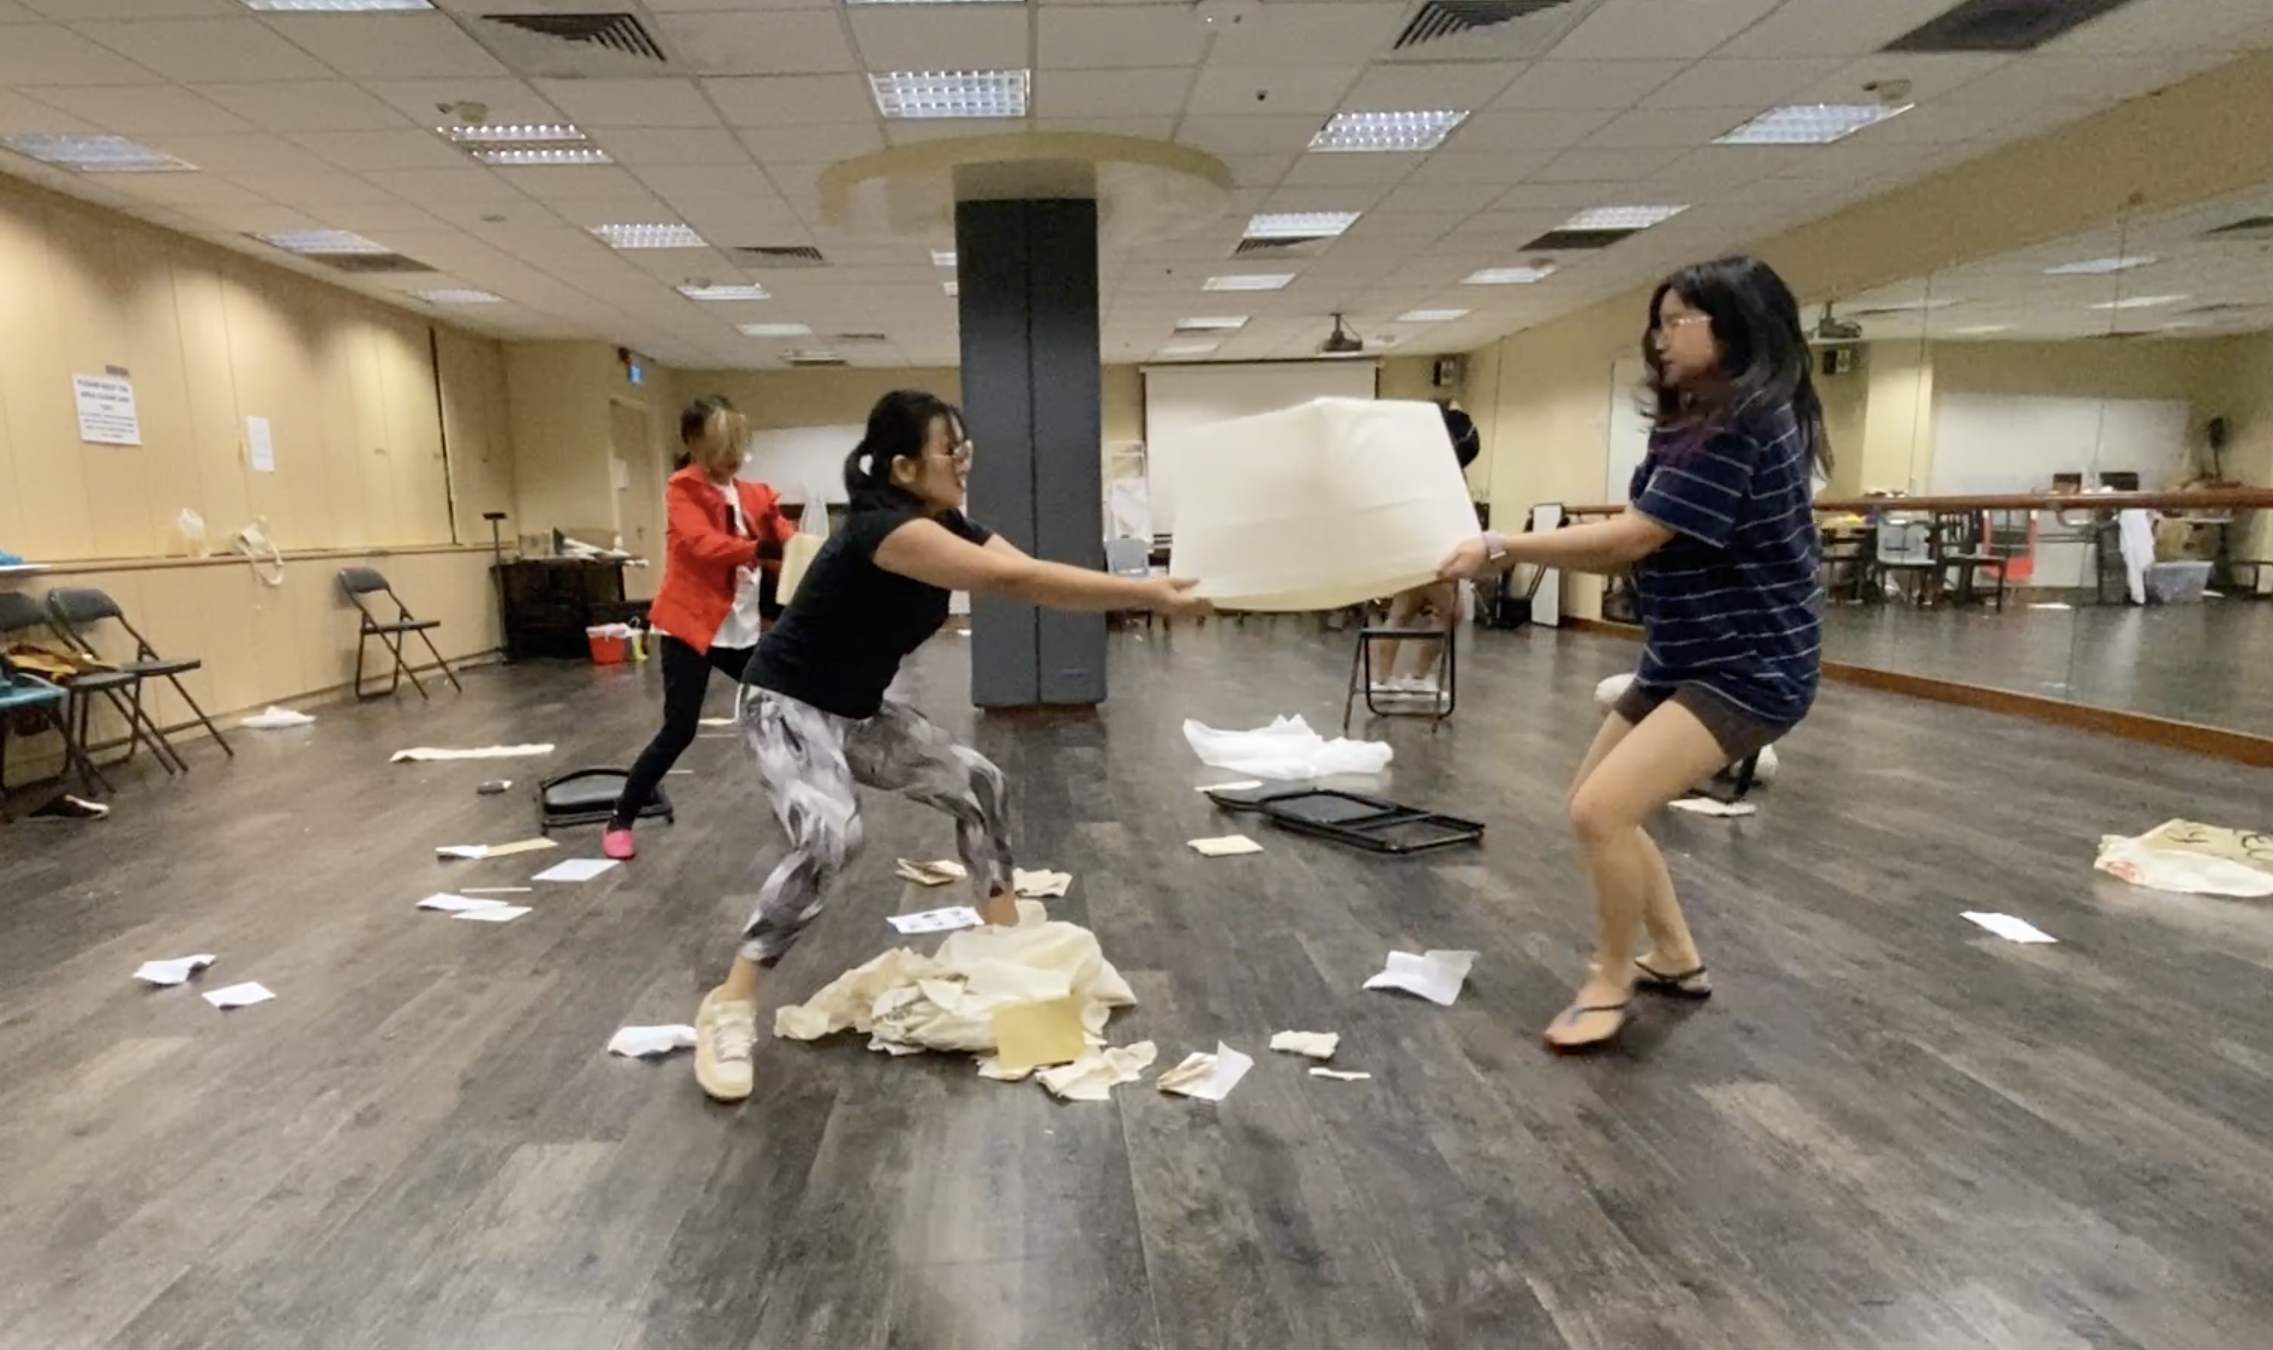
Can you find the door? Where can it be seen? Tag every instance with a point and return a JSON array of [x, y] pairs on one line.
[[639, 496]]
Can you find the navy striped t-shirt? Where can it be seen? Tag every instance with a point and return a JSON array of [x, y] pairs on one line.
[[1732, 602]]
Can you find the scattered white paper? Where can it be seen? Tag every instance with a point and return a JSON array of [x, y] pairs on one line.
[[1040, 885], [937, 920], [275, 719], [427, 752], [1340, 1075], [2051, 604], [239, 995], [1435, 976], [716, 722], [642, 1042], [174, 971], [1316, 1044], [1286, 749], [2010, 928], [575, 869], [1093, 1077], [260, 445], [1708, 806], [1243, 785], [1207, 1077], [1228, 846], [940, 873], [497, 890], [498, 913], [465, 852], [450, 903]]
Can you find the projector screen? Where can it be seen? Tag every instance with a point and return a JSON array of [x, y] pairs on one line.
[[1179, 399], [799, 461]]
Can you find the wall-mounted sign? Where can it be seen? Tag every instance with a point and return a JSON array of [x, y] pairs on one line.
[[106, 410]]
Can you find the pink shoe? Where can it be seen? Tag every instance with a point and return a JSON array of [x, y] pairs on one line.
[[618, 844]]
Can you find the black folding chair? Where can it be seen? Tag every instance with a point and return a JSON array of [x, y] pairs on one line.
[[76, 611], [359, 582], [122, 689]]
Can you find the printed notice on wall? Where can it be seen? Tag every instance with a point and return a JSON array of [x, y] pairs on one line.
[[106, 410], [260, 446]]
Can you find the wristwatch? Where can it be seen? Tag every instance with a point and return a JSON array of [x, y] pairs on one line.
[[1495, 548]]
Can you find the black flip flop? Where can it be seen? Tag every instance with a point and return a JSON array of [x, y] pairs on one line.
[[1600, 1042], [1672, 986]]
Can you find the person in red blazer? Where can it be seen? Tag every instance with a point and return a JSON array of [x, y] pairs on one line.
[[723, 539]]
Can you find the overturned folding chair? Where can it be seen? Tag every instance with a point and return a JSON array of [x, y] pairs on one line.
[[361, 582], [75, 611]]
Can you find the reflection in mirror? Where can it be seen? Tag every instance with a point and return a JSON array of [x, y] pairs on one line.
[[2136, 357]]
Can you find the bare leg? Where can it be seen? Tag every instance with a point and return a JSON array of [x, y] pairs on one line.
[[1635, 774]]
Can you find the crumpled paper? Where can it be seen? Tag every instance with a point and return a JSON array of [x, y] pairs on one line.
[[275, 719], [1040, 884], [427, 752], [906, 1002], [1435, 976], [1207, 1077], [2191, 858], [643, 1042], [938, 873], [1093, 1077], [1709, 806], [1286, 749], [173, 971], [1316, 1044]]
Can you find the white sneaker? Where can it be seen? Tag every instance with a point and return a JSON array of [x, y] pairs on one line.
[[725, 1034]]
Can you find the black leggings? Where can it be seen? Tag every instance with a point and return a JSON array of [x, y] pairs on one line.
[[686, 677]]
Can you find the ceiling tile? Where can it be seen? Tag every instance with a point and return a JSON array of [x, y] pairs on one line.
[[189, 50], [322, 191], [1250, 171], [1328, 169], [136, 109], [951, 128], [1109, 93], [1337, 197], [306, 105], [630, 103], [387, 46], [817, 142], [1604, 166], [1833, 27], [641, 148], [43, 53], [80, 10], [408, 148], [1159, 128], [1272, 91], [1105, 36], [445, 190], [1930, 76], [241, 154], [811, 41], [770, 101], [1502, 167], [573, 182], [1626, 29], [1308, 35], [1543, 129], [18, 113], [1667, 127], [942, 37], [1462, 86], [1586, 84], [1249, 135], [1754, 85], [508, 100]]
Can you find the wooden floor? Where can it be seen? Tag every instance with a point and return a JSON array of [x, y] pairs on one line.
[[2206, 663], [1890, 1130]]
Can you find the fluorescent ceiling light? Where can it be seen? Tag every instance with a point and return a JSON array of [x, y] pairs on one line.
[[335, 6], [1811, 123], [1431, 315], [1387, 131], [458, 295], [529, 156], [522, 144], [926, 94], [1186, 349], [95, 154], [2099, 267], [2141, 302], [1621, 217], [321, 243], [929, 2], [1981, 329], [1509, 276], [672, 235], [775, 330], [491, 133], [1219, 323], [742, 290], [1250, 281], [951, 287], [944, 257], [1300, 224]]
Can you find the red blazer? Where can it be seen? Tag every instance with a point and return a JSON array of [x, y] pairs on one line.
[[701, 552]]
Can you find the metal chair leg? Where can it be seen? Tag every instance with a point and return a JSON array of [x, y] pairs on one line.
[[207, 722], [440, 660], [402, 668]]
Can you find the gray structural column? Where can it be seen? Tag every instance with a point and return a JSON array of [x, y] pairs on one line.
[[1027, 275]]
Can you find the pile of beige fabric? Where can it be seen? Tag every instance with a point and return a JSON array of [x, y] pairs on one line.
[[906, 1002]]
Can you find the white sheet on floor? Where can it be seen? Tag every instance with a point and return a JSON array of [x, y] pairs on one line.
[[1435, 976], [1329, 503], [906, 1002], [645, 1042], [575, 869], [2010, 928], [2191, 858], [1340, 1075], [172, 971], [1225, 846], [1040, 884], [1207, 1077], [427, 752], [275, 719], [1093, 1077], [1316, 1044], [935, 920], [1707, 806], [239, 995], [1287, 750]]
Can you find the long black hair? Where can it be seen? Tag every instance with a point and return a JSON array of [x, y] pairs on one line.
[[898, 427], [1764, 359]]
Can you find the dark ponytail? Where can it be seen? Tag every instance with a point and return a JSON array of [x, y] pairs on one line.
[[898, 427]]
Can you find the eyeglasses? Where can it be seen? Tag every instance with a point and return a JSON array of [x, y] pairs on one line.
[[959, 453], [1683, 320]]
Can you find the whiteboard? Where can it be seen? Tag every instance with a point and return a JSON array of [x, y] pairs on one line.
[[796, 461], [1986, 443], [1629, 427], [1181, 399]]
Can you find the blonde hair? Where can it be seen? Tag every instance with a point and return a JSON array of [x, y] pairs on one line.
[[719, 445]]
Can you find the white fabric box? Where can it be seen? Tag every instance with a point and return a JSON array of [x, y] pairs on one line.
[[1330, 503]]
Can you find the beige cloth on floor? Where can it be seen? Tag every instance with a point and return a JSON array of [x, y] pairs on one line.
[[906, 1002], [1331, 503], [2188, 857]]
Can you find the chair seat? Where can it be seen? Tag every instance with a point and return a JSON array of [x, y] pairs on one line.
[[96, 681], [401, 626], [1402, 634], [160, 669], [26, 691]]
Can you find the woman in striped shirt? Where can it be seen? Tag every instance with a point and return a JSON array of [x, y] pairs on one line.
[[1721, 536]]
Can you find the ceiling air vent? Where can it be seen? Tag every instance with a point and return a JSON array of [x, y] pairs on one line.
[[807, 360], [1298, 247], [859, 337], [1446, 18], [2002, 25], [1576, 241], [761, 255], [369, 262], [2247, 228], [616, 32]]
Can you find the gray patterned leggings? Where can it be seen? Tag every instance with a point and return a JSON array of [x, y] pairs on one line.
[[810, 761]]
